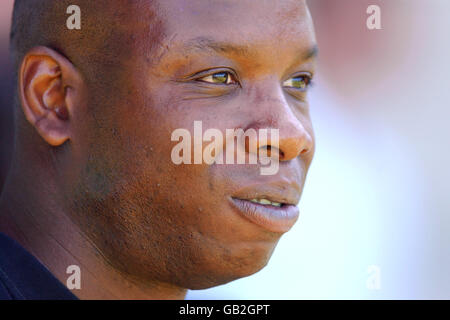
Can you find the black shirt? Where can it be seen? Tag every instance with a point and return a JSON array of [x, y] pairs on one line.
[[23, 277]]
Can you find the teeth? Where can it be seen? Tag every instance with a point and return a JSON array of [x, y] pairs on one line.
[[265, 201]]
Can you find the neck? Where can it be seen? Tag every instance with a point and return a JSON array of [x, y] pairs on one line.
[[42, 227]]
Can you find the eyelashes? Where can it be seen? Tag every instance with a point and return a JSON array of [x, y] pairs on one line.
[[222, 77], [298, 83]]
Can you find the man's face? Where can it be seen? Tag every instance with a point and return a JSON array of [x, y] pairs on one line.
[[230, 64]]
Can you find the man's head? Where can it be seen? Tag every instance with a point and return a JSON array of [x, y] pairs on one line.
[[98, 107]]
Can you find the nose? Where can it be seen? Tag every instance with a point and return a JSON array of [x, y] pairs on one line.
[[294, 129], [294, 139]]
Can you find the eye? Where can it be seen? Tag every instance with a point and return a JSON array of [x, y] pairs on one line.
[[222, 77], [300, 82]]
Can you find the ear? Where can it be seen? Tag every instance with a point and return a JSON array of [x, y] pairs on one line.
[[47, 84]]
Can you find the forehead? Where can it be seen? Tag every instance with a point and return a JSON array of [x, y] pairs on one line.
[[237, 15], [267, 24]]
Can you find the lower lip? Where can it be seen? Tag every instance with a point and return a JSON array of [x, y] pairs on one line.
[[271, 218]]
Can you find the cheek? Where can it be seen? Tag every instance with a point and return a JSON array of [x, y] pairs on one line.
[[178, 194]]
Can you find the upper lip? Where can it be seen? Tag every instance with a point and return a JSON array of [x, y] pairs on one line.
[[281, 191]]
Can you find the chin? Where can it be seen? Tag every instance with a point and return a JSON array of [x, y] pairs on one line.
[[229, 269], [213, 280]]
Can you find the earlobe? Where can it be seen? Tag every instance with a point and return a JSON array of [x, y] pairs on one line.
[[44, 78]]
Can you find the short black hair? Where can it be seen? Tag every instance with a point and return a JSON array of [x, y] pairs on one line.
[[103, 41]]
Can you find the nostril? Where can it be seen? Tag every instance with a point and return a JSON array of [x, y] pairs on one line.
[[269, 151]]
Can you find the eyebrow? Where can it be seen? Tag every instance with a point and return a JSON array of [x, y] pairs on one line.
[[220, 47], [312, 52], [203, 43]]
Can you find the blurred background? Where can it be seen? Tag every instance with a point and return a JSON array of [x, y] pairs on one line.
[[374, 220]]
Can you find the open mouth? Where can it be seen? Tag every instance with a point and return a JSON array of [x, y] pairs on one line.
[[267, 202], [273, 216], [271, 205]]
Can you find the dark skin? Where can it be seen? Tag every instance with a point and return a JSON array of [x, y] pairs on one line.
[[101, 190]]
